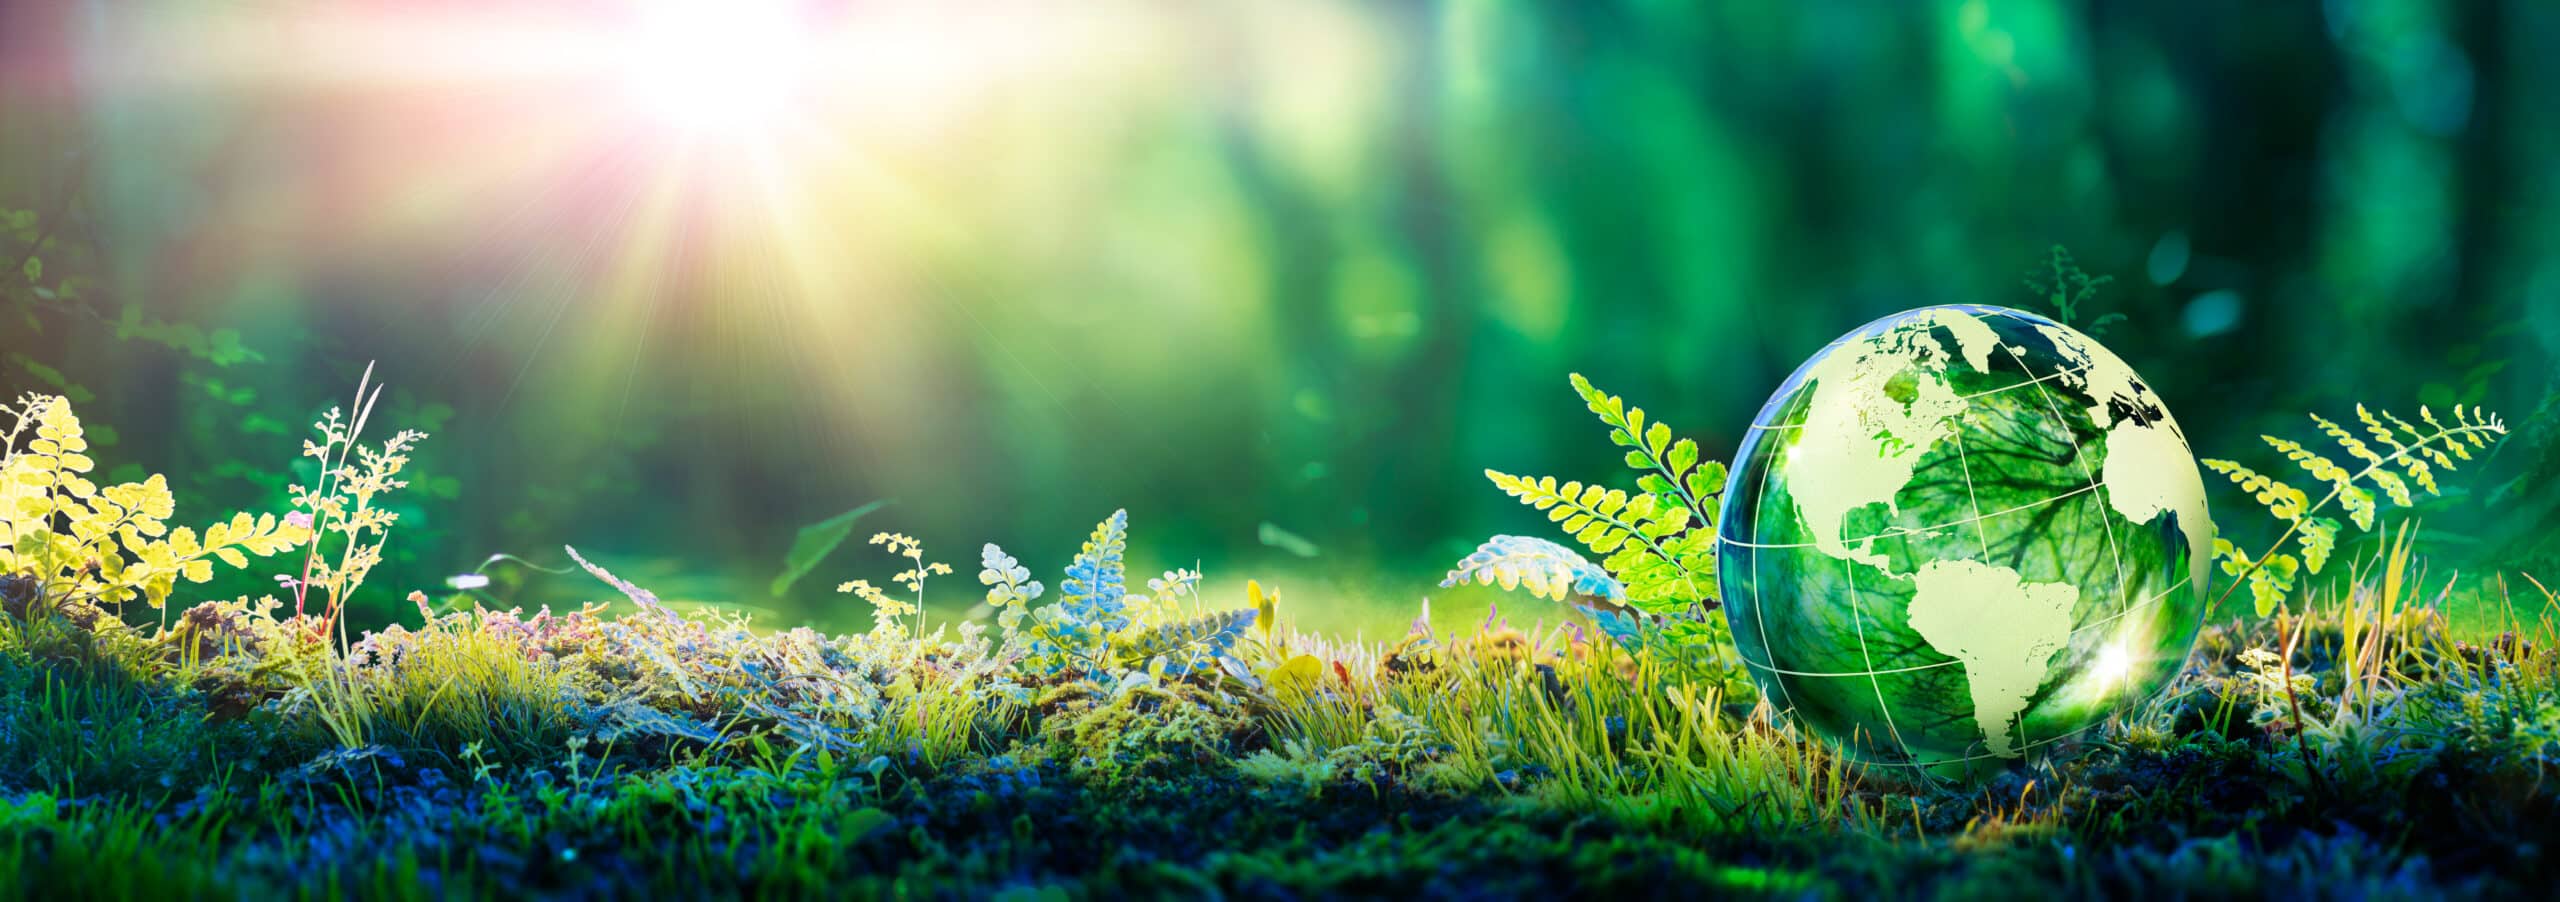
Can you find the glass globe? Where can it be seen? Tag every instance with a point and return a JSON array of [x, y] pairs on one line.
[[1960, 535]]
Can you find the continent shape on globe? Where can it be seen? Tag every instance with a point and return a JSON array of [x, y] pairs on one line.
[[1960, 533]]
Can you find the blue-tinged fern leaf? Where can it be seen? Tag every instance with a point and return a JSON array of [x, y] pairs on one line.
[[1190, 643], [1096, 583], [1549, 570]]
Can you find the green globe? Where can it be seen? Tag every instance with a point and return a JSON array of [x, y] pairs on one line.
[[1959, 535]]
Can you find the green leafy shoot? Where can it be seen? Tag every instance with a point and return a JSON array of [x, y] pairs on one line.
[[2064, 286], [885, 610]]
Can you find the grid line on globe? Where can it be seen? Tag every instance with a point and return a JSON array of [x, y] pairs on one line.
[[2033, 558], [1950, 524], [2106, 526], [1866, 653], [2096, 484]]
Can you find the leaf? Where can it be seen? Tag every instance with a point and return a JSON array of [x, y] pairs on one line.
[[2319, 539], [1300, 674], [862, 823], [647, 600], [2271, 582], [1550, 570], [815, 542], [1684, 454]]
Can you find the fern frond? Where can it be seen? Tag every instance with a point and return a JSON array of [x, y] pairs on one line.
[[1095, 587], [2319, 540], [2359, 503], [1551, 571], [1672, 471], [2282, 501], [1008, 582], [1665, 565], [2269, 577], [2066, 286], [2355, 447], [1209, 635], [2418, 452]]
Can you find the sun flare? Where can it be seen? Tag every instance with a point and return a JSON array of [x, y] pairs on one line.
[[715, 70]]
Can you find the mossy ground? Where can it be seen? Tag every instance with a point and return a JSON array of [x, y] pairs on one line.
[[485, 773]]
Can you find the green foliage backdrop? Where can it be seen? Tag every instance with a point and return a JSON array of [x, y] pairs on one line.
[[1280, 278]]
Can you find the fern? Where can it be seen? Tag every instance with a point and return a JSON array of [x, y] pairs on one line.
[[1551, 571], [1656, 544], [85, 544], [1182, 646], [1095, 626], [1673, 474], [1096, 586], [1666, 564], [2416, 453]]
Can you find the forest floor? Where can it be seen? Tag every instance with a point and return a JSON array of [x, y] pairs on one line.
[[2355, 753]]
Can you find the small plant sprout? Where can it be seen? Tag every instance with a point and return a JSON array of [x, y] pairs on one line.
[[885, 610], [1177, 589]]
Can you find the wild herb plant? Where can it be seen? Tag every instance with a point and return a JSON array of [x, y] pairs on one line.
[[2398, 447], [1010, 588], [341, 503]]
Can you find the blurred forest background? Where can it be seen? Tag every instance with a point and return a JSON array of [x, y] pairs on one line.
[[1279, 277]]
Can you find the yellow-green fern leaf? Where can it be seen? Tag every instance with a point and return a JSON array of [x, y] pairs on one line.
[[2272, 581], [2392, 487], [1635, 534], [2282, 501], [1672, 471], [2359, 505], [2417, 451], [2355, 446], [2320, 468], [2319, 539]]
